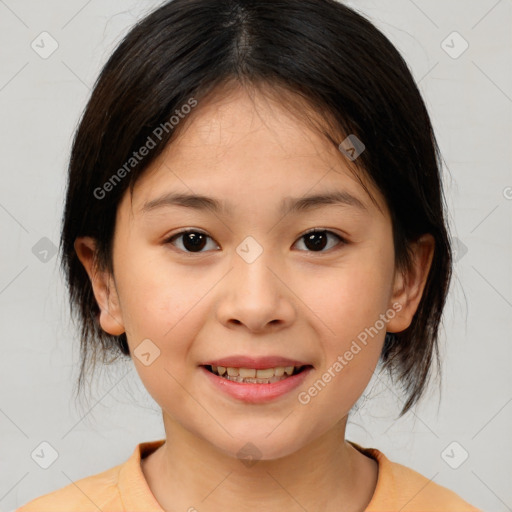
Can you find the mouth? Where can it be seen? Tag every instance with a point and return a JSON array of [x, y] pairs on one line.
[[256, 376]]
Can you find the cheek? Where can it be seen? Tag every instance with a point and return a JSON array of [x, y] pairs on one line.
[[349, 304], [347, 300], [160, 311], [156, 294]]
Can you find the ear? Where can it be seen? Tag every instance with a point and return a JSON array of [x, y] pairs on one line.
[[103, 286], [408, 288]]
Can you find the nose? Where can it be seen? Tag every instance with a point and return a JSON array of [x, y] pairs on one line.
[[256, 295]]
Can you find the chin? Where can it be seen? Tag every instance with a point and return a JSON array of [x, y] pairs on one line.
[[251, 448]]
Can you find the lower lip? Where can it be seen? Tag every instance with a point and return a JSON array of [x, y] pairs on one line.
[[257, 393]]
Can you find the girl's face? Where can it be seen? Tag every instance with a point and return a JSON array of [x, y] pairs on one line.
[[253, 285]]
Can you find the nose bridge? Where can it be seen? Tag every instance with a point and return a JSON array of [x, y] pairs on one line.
[[254, 294], [252, 269]]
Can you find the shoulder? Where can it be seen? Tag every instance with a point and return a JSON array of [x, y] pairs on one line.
[[402, 488], [418, 491], [88, 494]]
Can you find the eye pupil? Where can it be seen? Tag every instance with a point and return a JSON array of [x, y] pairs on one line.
[[193, 241], [319, 244]]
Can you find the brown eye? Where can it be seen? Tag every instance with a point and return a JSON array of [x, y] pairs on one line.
[[317, 240], [192, 241], [195, 241]]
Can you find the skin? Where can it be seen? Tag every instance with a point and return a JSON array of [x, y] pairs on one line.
[[291, 301]]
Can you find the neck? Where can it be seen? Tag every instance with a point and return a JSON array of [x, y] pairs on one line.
[[187, 472]]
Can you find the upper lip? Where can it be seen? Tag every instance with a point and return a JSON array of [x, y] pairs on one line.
[[258, 363]]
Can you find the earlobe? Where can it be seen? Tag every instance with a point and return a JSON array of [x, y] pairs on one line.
[[103, 286], [409, 286]]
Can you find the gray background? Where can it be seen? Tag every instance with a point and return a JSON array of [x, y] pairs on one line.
[[469, 96]]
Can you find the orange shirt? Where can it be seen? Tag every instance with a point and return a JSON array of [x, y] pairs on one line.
[[124, 488]]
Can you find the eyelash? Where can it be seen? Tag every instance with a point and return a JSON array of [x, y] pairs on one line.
[[316, 230]]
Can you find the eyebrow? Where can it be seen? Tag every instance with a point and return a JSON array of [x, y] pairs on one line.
[[288, 205]]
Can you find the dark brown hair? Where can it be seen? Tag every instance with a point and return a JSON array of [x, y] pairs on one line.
[[317, 50]]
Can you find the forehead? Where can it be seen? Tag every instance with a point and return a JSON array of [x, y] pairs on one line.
[[240, 144]]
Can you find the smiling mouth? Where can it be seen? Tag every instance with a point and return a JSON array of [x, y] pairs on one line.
[[256, 376]]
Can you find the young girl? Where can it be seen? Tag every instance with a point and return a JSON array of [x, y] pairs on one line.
[[255, 217]]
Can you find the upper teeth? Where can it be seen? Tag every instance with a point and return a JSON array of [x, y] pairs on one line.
[[252, 372]]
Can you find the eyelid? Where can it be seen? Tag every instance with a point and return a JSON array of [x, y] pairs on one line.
[[324, 230], [168, 239]]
